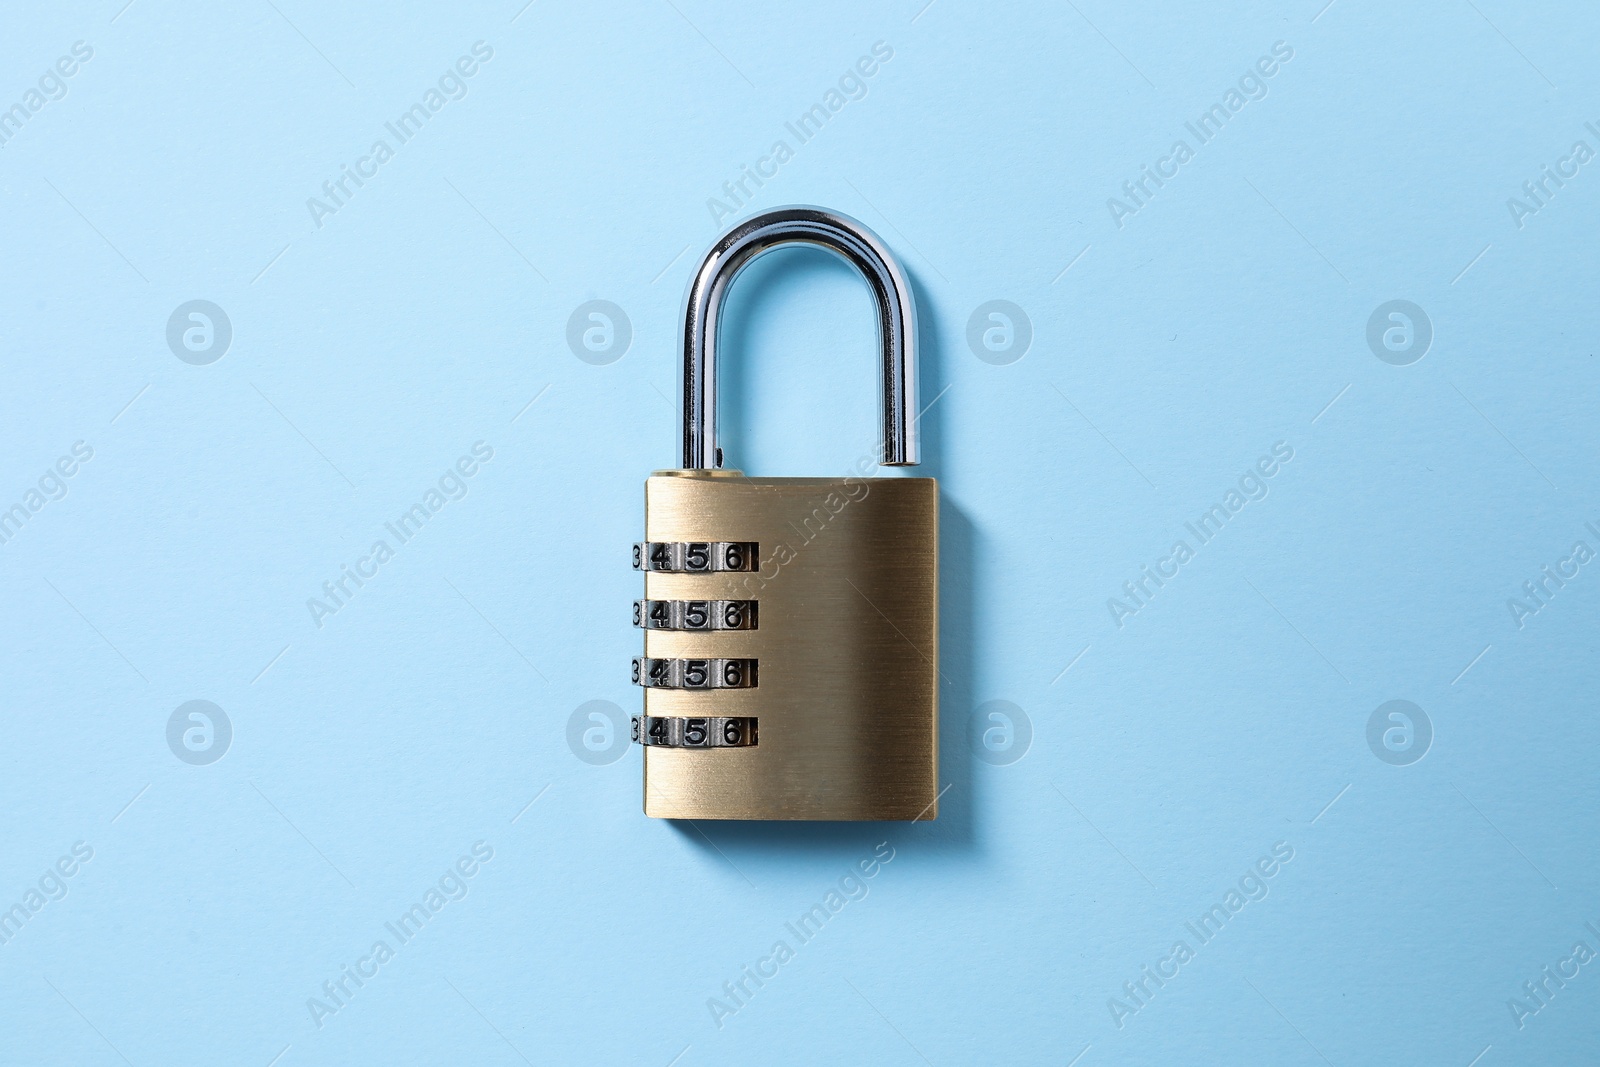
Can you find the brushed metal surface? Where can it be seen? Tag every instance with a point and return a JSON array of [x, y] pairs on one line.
[[848, 647]]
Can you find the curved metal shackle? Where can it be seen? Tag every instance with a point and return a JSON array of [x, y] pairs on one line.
[[736, 249]]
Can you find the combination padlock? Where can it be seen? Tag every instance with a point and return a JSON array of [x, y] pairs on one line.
[[791, 625]]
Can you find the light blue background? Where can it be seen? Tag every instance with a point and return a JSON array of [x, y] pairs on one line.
[[369, 353]]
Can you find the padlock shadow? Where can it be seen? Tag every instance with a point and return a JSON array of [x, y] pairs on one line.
[[953, 830]]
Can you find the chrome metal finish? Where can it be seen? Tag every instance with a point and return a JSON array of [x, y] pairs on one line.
[[738, 248]]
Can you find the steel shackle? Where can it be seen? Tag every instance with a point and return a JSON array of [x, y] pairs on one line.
[[852, 242]]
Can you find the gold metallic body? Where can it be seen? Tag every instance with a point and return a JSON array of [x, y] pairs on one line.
[[848, 646]]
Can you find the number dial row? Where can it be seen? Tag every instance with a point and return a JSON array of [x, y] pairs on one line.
[[655, 673], [695, 557], [695, 614], [710, 732]]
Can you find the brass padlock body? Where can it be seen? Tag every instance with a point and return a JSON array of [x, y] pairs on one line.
[[846, 642]]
